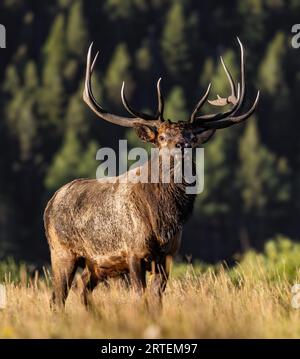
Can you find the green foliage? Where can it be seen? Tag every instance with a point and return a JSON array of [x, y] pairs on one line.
[[76, 32], [175, 108], [124, 9], [174, 41], [258, 176], [271, 77], [11, 271], [143, 58], [182, 270], [254, 17], [12, 80], [71, 162], [207, 73], [54, 49], [77, 114], [22, 110], [53, 83], [216, 199], [117, 72], [279, 260]]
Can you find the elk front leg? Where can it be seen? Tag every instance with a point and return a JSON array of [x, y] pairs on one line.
[[159, 278], [137, 273], [63, 271]]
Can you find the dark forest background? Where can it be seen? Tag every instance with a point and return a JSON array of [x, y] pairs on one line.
[[48, 136]]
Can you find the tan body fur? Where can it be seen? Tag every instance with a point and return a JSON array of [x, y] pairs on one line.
[[103, 227]]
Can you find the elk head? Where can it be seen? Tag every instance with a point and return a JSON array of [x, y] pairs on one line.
[[184, 134]]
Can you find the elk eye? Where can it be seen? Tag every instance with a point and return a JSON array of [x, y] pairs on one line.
[[161, 137]]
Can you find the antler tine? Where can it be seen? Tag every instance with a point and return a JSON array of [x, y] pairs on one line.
[[226, 122], [94, 61], [229, 121], [200, 104], [233, 98], [225, 119], [130, 109], [91, 70], [155, 121], [161, 103], [90, 100], [221, 115], [243, 80], [87, 93], [222, 101]]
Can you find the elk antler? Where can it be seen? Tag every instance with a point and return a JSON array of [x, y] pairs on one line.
[[236, 98], [133, 112], [139, 119]]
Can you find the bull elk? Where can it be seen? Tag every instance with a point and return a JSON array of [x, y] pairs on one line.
[[112, 229]]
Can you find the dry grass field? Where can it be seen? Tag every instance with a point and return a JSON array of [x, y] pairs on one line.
[[252, 300]]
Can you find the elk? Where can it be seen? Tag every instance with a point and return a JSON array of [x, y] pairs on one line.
[[115, 229]]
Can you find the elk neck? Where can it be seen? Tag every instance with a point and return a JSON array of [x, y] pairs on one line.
[[169, 204]]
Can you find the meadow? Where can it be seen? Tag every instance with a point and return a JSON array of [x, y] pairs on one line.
[[250, 300]]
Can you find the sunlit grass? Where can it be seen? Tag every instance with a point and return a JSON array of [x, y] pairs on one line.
[[195, 306], [251, 300]]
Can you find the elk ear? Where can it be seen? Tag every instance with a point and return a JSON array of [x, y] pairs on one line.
[[146, 133], [205, 136]]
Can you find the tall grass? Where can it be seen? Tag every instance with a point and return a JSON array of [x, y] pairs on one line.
[[251, 300]]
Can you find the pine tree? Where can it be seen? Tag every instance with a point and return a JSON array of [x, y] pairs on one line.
[[271, 74], [72, 161], [77, 114], [88, 165], [262, 177], [76, 44], [124, 9], [117, 72], [174, 42], [143, 58], [253, 15], [64, 4], [22, 112], [252, 158], [175, 107], [76, 31], [53, 92], [277, 110], [207, 73], [262, 180], [219, 182], [55, 49], [12, 81]]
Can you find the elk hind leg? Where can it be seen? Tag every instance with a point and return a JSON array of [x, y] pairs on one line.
[[89, 283]]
